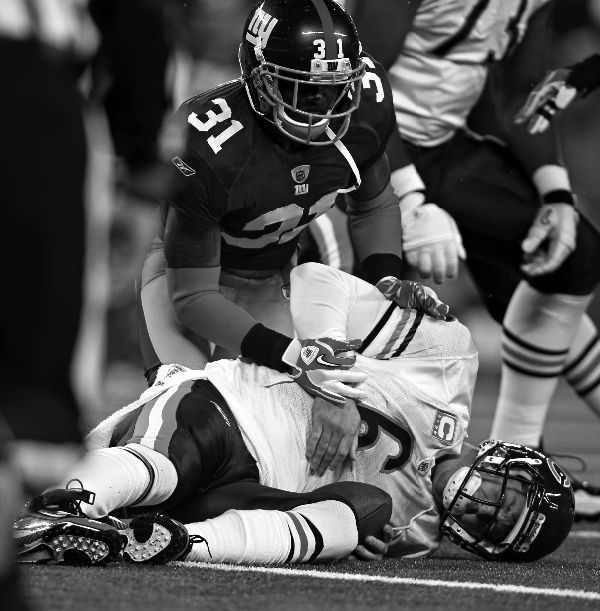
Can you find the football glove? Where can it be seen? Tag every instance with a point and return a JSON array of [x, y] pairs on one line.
[[408, 294], [431, 240], [320, 366], [549, 96], [551, 239]]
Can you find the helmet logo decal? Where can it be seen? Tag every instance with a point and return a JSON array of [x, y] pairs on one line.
[[558, 473], [260, 28], [444, 427]]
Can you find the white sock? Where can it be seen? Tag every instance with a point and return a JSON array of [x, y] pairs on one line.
[[536, 335], [276, 537], [582, 367], [119, 478]]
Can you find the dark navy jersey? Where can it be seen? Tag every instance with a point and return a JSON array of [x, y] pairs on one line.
[[240, 187]]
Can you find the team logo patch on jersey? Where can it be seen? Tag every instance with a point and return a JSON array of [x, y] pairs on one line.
[[183, 167], [558, 473], [260, 28], [444, 427], [300, 174]]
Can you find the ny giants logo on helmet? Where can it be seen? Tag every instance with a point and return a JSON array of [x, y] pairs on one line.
[[260, 28]]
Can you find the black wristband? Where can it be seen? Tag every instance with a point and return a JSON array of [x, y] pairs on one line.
[[380, 265], [266, 347], [559, 196]]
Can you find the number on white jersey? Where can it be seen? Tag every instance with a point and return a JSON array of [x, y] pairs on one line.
[[373, 422]]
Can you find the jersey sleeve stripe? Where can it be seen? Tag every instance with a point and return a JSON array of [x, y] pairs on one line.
[[377, 328], [409, 335]]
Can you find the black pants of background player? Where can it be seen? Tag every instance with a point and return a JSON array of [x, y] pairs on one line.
[[42, 171]]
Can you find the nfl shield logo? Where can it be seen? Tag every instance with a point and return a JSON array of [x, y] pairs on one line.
[[300, 174]]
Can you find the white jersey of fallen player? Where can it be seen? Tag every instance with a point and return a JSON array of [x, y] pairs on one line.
[[441, 71], [418, 401], [420, 378]]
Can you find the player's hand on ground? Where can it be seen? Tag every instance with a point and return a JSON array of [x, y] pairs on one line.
[[549, 97], [333, 436], [321, 367], [550, 240], [409, 294], [374, 548], [431, 241]]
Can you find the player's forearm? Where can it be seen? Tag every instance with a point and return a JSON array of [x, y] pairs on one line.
[[205, 311], [376, 230], [200, 307]]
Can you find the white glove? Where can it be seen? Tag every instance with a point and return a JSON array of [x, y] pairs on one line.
[[430, 238], [320, 366], [547, 98], [550, 240]]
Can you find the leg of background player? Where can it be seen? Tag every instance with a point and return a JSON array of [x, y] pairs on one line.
[[536, 335]]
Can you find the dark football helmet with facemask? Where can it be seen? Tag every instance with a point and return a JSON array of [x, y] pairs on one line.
[[301, 66], [540, 526]]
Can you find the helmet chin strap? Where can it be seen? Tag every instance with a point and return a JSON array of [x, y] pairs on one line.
[[297, 129], [454, 484]]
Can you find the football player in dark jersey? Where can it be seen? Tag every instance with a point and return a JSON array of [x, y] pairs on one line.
[[531, 252], [558, 89], [265, 155]]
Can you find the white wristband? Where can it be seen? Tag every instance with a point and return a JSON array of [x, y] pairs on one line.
[[551, 178], [405, 180]]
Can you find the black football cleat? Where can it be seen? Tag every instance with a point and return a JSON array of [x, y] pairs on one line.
[[155, 539], [54, 530]]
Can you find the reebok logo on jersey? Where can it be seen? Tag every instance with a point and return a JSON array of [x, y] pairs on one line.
[[183, 167], [444, 427], [308, 354]]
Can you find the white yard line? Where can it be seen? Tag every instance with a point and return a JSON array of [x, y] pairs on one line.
[[585, 534], [408, 581]]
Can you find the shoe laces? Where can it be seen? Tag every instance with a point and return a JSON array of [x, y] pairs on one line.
[[196, 539], [66, 499]]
